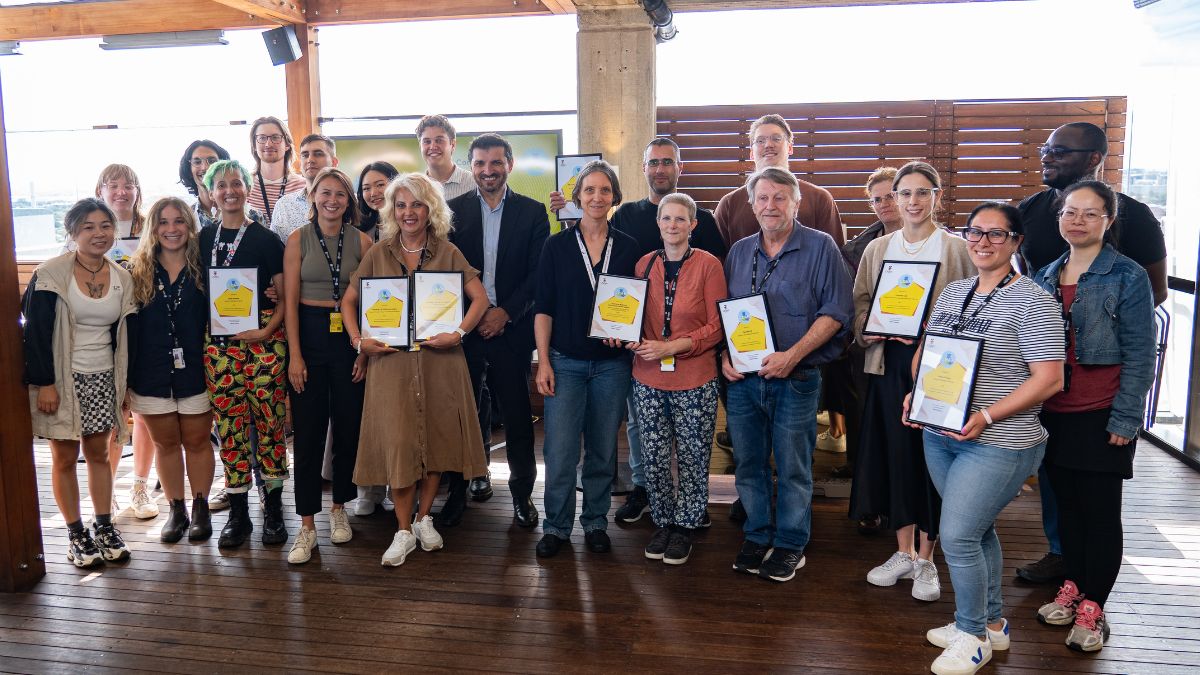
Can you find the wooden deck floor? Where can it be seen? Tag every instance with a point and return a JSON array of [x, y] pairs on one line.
[[485, 603]]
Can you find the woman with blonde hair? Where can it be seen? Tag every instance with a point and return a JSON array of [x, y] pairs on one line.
[[119, 187], [166, 375], [419, 416]]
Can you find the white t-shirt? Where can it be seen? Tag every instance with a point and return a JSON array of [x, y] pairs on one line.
[[929, 251], [94, 317]]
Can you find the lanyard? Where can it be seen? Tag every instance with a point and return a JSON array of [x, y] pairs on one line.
[[754, 285], [963, 320], [587, 258], [171, 299], [335, 268], [262, 187], [237, 241], [1062, 306], [669, 287]]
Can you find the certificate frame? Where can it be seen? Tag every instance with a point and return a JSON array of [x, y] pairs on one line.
[[754, 305], [425, 284], [370, 291], [897, 273], [122, 250], [610, 286], [565, 169], [938, 412], [220, 280]]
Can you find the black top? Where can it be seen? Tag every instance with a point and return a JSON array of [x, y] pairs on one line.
[[1137, 233], [259, 248], [564, 292], [855, 248], [640, 220], [152, 369]]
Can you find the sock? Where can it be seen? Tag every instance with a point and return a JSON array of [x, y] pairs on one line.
[[140, 479], [104, 519], [75, 527]]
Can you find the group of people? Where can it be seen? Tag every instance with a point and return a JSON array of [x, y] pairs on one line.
[[1065, 319]]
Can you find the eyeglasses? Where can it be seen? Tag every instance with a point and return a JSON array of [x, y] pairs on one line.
[[204, 161], [878, 201], [655, 163], [921, 194], [760, 141], [1091, 216], [1058, 151], [113, 187], [274, 139], [974, 234]]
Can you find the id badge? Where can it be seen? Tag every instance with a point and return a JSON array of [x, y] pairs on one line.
[[177, 357], [667, 364], [335, 322]]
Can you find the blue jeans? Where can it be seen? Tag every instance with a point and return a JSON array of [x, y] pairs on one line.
[[1049, 511], [588, 402], [632, 427], [780, 415], [976, 482]]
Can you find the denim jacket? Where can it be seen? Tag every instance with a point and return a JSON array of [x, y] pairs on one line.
[[1113, 320]]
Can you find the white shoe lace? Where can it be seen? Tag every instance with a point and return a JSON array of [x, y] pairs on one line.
[[926, 572], [896, 560], [963, 646], [138, 496]]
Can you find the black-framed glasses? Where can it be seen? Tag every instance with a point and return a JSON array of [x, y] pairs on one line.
[[655, 163], [974, 234], [1058, 151], [269, 138], [204, 161]]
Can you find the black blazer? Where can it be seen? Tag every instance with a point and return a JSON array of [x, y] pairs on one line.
[[524, 228]]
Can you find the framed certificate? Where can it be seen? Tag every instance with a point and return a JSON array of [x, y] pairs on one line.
[[122, 250], [383, 309], [437, 303], [566, 167], [232, 300], [749, 334], [900, 303], [618, 307], [946, 371]]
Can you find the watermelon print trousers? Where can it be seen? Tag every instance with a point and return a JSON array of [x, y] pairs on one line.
[[247, 384]]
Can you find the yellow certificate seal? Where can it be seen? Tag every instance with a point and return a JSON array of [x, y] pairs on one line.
[[750, 335], [235, 300], [386, 312], [438, 304], [620, 308], [945, 382], [903, 299]]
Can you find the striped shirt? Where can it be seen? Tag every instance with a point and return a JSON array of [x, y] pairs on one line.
[[1021, 324], [295, 183], [460, 183]]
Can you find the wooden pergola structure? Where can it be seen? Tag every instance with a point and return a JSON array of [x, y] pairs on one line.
[[616, 59]]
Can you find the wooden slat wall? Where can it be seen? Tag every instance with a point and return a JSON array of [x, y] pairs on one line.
[[984, 150]]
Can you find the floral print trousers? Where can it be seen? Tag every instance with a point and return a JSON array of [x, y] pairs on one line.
[[683, 421]]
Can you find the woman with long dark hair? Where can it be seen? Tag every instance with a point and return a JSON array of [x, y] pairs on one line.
[[196, 159]]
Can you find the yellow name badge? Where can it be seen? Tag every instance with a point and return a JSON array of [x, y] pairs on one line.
[[387, 311], [903, 299], [667, 364], [620, 308], [945, 382], [235, 300], [750, 334], [438, 304], [335, 322]]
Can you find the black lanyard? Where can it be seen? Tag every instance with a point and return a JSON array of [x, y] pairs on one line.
[[335, 268], [262, 187], [669, 286], [754, 285], [963, 320], [171, 299]]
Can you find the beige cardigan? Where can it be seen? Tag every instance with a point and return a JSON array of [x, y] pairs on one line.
[[956, 264]]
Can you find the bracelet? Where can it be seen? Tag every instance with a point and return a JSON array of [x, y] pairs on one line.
[[986, 416], [357, 344]]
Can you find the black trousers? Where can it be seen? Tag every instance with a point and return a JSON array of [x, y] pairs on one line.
[[1089, 524], [329, 396], [506, 374]]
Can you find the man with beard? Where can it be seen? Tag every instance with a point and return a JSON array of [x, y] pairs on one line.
[[1076, 152], [501, 234], [436, 136]]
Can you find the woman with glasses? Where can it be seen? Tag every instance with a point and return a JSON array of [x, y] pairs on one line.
[[979, 470], [193, 165], [272, 147], [890, 478], [1108, 307]]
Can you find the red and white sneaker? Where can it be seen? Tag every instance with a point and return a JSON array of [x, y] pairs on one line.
[[1061, 612], [1090, 631]]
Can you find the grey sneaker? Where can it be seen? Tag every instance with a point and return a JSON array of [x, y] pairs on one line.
[[658, 543], [899, 566], [1090, 631], [218, 501], [1061, 612], [926, 585]]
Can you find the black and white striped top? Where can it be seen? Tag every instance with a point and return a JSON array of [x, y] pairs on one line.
[[1021, 324]]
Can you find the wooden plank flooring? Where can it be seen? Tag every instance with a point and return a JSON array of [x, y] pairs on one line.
[[485, 603]]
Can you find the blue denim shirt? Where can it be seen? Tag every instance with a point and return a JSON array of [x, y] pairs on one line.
[[1113, 320]]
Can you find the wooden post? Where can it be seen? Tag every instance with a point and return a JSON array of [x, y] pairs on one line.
[[304, 86], [22, 562]]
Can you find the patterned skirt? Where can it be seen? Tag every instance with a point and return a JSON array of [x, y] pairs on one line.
[[97, 396]]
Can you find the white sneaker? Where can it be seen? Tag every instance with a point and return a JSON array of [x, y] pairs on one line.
[[116, 506], [965, 655], [830, 443], [402, 544], [941, 637], [424, 532], [143, 507], [897, 567], [823, 418], [306, 541], [388, 505], [364, 506], [339, 526], [926, 585], [218, 501]]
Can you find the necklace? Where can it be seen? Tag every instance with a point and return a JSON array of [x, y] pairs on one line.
[[95, 290], [912, 249], [410, 250]]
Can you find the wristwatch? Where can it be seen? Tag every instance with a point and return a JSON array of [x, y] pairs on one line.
[[461, 333]]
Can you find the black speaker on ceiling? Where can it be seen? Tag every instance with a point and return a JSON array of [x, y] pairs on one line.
[[282, 45]]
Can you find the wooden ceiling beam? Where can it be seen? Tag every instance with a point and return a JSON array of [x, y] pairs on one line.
[[334, 12], [719, 5], [559, 6], [283, 11], [95, 19]]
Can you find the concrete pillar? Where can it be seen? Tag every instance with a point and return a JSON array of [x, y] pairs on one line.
[[617, 110]]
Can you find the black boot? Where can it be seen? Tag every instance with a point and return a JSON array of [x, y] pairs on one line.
[[238, 527], [201, 520], [456, 503], [177, 523], [274, 530]]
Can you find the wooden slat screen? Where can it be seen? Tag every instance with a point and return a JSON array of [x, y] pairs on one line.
[[984, 150]]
